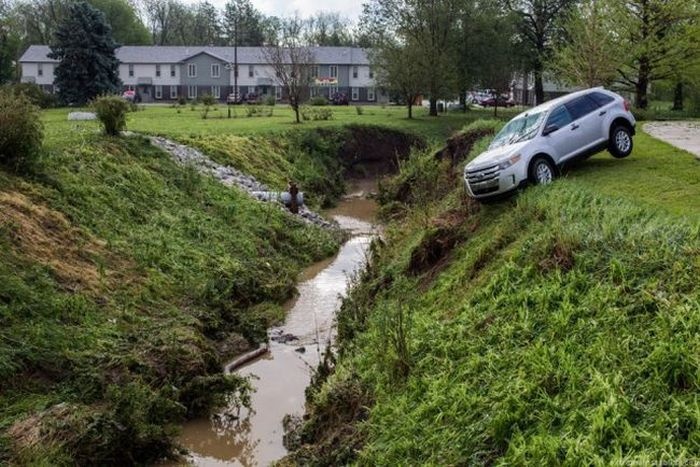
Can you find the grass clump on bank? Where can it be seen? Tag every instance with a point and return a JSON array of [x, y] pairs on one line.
[[125, 280], [559, 326]]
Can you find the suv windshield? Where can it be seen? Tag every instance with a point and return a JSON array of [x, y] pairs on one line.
[[517, 130]]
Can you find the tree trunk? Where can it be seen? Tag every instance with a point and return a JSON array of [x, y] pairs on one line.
[[463, 100], [539, 87], [678, 97], [410, 109], [433, 107], [642, 86], [495, 108], [296, 112]]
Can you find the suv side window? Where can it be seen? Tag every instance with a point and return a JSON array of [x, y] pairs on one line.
[[581, 106], [559, 117], [600, 98]]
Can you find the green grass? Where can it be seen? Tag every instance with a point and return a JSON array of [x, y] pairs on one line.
[[122, 277], [559, 326], [166, 121]]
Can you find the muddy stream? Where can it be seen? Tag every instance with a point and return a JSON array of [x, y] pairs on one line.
[[281, 375]]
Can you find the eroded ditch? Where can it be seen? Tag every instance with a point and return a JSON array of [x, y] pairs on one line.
[[281, 375]]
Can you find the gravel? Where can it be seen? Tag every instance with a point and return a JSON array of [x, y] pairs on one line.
[[185, 155]]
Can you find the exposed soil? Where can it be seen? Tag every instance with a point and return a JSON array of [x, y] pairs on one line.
[[47, 237], [460, 144], [382, 148]]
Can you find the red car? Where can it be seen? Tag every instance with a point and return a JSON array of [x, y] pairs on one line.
[[502, 101]]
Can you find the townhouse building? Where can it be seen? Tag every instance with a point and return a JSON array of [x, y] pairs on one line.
[[167, 73]]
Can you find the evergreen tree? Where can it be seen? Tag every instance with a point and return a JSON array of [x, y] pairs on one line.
[[85, 48]]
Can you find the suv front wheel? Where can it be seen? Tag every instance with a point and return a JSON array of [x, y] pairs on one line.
[[620, 144], [541, 171]]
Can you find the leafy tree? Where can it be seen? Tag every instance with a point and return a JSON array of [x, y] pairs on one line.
[[430, 27], [292, 61], [243, 24], [539, 24], [590, 54], [328, 29], [85, 49], [9, 44], [661, 42], [127, 27], [207, 28], [397, 69]]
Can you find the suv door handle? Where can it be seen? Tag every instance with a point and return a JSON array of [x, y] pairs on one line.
[[574, 127], [602, 112]]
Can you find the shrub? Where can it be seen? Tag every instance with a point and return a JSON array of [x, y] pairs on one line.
[[323, 114], [270, 100], [208, 100], [35, 94], [318, 101], [359, 110], [111, 111], [21, 131], [251, 110], [182, 100]]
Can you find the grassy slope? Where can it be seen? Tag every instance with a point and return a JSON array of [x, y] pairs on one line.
[[119, 273], [557, 327]]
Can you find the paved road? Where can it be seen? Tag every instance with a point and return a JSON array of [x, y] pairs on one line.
[[684, 135]]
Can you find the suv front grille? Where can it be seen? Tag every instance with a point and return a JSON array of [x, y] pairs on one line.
[[483, 181]]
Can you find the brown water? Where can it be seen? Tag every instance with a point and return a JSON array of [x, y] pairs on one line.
[[281, 375]]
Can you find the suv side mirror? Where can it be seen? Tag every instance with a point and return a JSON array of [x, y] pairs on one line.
[[549, 129]]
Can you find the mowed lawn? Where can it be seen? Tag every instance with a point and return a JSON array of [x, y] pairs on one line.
[[656, 174], [183, 121]]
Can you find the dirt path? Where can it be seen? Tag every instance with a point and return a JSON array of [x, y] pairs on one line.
[[684, 135]]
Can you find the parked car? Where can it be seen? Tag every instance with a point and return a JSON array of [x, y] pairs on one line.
[[131, 96], [249, 98], [503, 101], [340, 98], [533, 147]]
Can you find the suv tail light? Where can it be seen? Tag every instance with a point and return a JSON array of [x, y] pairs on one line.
[[627, 105]]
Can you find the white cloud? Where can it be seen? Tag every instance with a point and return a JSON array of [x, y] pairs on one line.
[[348, 8]]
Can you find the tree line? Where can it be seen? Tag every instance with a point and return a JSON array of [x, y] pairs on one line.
[[162, 22], [441, 48]]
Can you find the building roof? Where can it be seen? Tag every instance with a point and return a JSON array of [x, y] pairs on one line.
[[176, 54]]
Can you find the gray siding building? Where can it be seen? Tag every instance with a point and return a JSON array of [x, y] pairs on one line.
[[165, 73]]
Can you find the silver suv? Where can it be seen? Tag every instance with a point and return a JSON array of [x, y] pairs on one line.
[[536, 144]]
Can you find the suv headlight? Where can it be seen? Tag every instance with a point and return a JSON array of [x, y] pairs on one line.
[[510, 161]]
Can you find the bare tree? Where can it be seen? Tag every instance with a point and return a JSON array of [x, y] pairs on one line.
[[292, 61]]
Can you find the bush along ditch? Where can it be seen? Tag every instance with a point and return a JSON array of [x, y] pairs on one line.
[[126, 281], [558, 327]]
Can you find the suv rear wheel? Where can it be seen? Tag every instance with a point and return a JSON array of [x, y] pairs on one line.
[[620, 144], [541, 171]]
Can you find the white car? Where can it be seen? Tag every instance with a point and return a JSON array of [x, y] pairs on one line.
[[533, 147]]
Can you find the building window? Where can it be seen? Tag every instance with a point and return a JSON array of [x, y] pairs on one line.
[[131, 71], [216, 92], [278, 92], [157, 71], [314, 71], [371, 73], [172, 71], [40, 69], [192, 70], [333, 71], [130, 87], [332, 91], [313, 91], [251, 71], [159, 92], [191, 92], [173, 92], [251, 89], [370, 94], [354, 72], [355, 94], [215, 70]]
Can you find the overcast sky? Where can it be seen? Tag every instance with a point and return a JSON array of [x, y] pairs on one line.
[[349, 8]]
